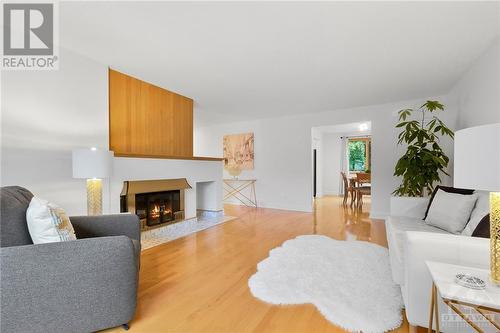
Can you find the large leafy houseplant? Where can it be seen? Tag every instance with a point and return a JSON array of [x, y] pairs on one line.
[[424, 159]]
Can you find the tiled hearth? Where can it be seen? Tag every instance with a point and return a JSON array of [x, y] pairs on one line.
[[205, 220]]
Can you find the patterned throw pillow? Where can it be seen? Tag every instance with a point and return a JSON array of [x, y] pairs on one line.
[[48, 222]]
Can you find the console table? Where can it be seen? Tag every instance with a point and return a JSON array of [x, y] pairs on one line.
[[234, 188], [484, 302]]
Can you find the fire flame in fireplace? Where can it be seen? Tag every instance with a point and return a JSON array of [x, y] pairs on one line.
[[156, 211]]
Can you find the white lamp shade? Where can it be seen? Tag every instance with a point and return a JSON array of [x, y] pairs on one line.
[[477, 158], [92, 163]]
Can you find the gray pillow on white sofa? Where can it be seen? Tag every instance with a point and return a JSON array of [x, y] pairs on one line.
[[450, 211]]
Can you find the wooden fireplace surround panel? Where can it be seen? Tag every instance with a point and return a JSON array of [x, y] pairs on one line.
[[146, 120], [154, 185]]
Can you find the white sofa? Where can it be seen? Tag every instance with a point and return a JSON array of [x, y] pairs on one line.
[[412, 242]]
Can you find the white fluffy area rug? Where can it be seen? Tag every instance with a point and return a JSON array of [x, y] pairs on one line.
[[349, 282]]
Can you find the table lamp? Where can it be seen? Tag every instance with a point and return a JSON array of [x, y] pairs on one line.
[[477, 166], [92, 164]]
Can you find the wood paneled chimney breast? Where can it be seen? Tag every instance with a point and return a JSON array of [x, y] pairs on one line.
[[148, 120]]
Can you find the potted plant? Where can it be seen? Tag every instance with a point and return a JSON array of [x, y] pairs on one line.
[[424, 161]]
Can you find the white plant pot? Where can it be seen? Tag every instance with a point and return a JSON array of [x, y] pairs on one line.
[[409, 206]]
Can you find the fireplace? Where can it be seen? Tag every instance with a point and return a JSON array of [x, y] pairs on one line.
[[158, 207], [155, 202]]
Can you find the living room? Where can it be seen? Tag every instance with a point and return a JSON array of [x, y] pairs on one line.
[[243, 112]]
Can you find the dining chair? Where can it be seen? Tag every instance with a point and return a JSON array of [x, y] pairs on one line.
[[348, 188], [363, 180]]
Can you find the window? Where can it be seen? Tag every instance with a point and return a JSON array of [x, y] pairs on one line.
[[359, 152]]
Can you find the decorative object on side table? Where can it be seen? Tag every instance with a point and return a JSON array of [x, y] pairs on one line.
[[470, 281], [477, 148], [234, 170], [92, 164]]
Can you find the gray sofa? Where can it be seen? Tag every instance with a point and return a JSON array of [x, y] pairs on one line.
[[77, 286]]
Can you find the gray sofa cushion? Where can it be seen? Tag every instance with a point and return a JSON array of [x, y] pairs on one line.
[[137, 251], [14, 201], [78, 286]]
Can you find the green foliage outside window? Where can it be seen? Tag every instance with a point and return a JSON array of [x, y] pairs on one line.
[[357, 155]]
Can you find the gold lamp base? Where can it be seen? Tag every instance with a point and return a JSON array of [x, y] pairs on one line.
[[495, 237], [94, 196]]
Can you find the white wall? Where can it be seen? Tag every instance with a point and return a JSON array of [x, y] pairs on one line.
[[478, 91], [46, 114], [283, 167], [331, 143], [209, 194]]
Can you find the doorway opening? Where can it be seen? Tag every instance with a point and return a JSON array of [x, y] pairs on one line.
[[342, 161], [315, 170]]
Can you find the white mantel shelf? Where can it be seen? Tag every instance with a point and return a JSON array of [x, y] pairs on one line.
[[193, 158]]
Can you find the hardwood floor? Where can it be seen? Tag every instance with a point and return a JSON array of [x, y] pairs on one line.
[[199, 283]]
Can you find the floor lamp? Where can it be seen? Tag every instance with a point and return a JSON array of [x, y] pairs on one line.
[[477, 166], [94, 165]]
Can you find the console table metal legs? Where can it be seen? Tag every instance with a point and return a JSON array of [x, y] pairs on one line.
[[236, 191]]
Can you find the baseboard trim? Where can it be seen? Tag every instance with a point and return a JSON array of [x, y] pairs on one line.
[[276, 206], [336, 193], [378, 215]]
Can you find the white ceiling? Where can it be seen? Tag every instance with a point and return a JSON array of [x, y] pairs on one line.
[[350, 128], [256, 59]]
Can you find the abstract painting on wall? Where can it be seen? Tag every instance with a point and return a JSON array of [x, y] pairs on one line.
[[238, 151]]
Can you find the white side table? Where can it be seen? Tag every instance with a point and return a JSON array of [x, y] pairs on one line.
[[452, 294]]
